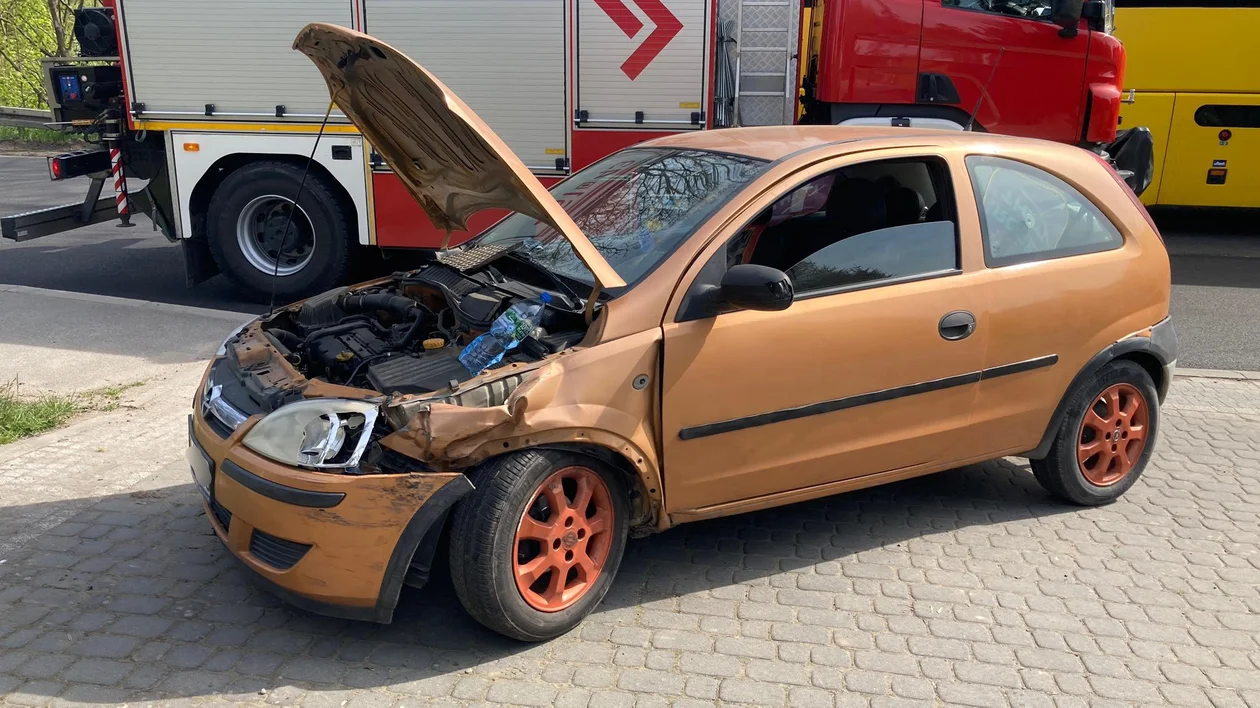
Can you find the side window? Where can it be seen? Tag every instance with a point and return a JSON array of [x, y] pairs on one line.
[[897, 252], [1029, 9], [866, 223], [1028, 214]]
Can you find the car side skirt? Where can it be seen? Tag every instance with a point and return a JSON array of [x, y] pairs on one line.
[[825, 490]]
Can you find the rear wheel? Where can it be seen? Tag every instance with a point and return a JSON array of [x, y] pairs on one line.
[[1105, 440], [261, 239], [536, 546]]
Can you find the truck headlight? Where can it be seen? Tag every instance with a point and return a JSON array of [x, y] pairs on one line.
[[318, 433]]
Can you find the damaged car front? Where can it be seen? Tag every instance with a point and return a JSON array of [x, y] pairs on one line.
[[321, 484], [331, 438]]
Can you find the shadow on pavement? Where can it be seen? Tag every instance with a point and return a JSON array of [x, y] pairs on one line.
[[134, 599], [1186, 220], [144, 266], [1215, 271]]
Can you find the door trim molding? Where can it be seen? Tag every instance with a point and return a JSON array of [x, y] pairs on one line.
[[863, 399]]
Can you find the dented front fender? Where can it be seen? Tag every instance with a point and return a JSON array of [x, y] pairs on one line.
[[604, 396]]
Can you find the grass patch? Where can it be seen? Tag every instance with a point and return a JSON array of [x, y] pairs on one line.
[[38, 135], [24, 417], [38, 141]]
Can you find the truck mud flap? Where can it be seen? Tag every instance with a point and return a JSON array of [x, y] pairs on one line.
[[1133, 154], [54, 220]]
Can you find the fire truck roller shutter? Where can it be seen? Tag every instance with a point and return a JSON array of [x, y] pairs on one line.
[[646, 67], [183, 55], [504, 58]]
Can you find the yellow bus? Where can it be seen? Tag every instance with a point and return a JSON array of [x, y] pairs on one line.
[[1193, 76]]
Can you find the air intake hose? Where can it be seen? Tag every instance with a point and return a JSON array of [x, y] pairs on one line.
[[404, 307]]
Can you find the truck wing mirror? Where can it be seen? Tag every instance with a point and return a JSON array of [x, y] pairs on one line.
[[1066, 14]]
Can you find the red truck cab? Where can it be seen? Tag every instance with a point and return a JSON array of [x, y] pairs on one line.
[[1037, 68]]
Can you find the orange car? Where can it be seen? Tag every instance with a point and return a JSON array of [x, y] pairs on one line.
[[702, 325]]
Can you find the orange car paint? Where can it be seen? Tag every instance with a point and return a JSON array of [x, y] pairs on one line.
[[647, 390]]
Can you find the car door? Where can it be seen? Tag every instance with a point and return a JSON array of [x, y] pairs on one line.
[[1031, 78], [860, 375], [1055, 260]]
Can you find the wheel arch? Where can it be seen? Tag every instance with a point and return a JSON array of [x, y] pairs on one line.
[[623, 455], [1156, 353], [426, 552], [646, 513], [224, 167]]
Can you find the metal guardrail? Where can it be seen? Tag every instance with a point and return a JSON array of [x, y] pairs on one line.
[[24, 117]]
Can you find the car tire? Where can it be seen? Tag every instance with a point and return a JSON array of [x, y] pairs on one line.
[[495, 551], [245, 221], [1085, 465]]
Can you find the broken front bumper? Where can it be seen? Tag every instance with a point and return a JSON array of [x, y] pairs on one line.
[[339, 545]]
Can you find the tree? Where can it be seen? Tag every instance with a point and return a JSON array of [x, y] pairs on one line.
[[29, 31]]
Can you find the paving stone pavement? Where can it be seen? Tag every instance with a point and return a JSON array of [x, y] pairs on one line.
[[971, 587]]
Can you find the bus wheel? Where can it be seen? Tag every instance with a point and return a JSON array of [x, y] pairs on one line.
[[261, 239]]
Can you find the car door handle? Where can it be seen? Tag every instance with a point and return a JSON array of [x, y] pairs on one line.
[[957, 325]]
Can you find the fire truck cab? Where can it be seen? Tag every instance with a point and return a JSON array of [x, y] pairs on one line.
[[206, 105]]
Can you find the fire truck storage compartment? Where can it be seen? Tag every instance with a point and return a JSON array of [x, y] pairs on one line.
[[648, 66], [506, 60], [234, 55]]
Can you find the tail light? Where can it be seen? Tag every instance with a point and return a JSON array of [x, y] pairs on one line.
[[77, 164]]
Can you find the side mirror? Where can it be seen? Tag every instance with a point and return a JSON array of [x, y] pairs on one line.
[[1066, 14], [756, 287]]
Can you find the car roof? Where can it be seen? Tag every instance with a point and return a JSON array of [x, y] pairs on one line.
[[776, 142]]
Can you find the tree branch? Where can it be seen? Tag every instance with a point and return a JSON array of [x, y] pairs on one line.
[[59, 30], [17, 70]]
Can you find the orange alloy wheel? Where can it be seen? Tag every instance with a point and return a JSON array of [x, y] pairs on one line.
[[1113, 435], [563, 539]]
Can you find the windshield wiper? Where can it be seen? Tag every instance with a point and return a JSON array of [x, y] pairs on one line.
[[572, 300]]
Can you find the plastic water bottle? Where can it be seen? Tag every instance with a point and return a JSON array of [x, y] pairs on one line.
[[508, 330]]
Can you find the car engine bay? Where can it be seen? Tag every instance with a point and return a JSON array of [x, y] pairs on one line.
[[404, 335]]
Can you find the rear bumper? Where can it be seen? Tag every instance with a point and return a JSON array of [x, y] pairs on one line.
[[1163, 344], [334, 544]]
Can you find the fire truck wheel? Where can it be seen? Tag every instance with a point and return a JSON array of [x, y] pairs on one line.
[[261, 240]]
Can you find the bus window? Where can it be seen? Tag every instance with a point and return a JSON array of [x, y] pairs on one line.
[[1228, 116]]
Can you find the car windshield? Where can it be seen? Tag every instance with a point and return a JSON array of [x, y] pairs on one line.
[[635, 206]]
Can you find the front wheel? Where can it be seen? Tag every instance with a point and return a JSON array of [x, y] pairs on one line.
[[1105, 439], [262, 240], [536, 546]]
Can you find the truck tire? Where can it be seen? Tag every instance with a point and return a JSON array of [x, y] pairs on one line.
[[528, 557], [245, 223], [1106, 437]]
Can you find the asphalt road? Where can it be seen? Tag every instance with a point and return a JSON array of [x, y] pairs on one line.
[[1216, 267]]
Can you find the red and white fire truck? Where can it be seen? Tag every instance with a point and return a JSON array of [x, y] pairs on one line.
[[206, 106]]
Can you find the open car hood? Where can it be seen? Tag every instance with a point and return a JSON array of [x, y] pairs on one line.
[[449, 159]]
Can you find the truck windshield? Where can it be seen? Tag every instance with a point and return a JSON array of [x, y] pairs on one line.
[[635, 206]]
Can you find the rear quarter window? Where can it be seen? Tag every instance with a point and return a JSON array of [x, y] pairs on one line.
[[1028, 214]]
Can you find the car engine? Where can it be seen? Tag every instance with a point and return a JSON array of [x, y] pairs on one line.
[[404, 336]]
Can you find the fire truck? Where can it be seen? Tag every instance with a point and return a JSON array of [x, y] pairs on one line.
[[208, 124]]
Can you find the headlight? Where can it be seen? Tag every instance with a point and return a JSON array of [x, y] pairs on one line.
[[320, 433], [223, 347]]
